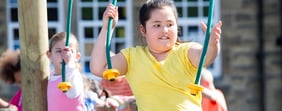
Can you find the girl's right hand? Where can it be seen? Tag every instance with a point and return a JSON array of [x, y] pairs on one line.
[[110, 12], [67, 54]]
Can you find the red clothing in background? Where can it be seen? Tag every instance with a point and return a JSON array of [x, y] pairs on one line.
[[117, 87], [218, 105]]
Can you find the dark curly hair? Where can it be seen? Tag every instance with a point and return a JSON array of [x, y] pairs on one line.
[[9, 65]]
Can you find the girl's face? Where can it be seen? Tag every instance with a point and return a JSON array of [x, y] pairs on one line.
[[161, 30], [55, 54]]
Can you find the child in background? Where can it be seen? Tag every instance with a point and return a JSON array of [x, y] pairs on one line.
[[213, 99], [73, 99], [11, 73], [120, 92], [119, 87], [5, 106], [93, 91], [98, 98], [159, 72]]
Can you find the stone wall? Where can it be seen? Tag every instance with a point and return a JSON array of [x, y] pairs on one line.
[[273, 55], [240, 49]]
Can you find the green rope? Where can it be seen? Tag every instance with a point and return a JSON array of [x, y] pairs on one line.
[[108, 42], [67, 37], [203, 56]]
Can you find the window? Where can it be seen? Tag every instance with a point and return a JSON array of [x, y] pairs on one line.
[[90, 13], [89, 21], [55, 20], [191, 13]]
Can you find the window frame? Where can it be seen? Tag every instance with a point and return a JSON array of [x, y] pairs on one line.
[[58, 25], [96, 23]]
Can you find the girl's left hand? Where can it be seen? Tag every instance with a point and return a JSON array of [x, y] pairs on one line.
[[215, 32]]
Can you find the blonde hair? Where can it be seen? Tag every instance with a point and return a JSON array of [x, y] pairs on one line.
[[60, 36]]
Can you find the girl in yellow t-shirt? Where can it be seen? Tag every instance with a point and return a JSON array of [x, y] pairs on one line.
[[158, 72]]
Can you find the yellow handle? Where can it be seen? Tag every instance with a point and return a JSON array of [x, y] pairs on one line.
[[64, 86], [195, 89], [111, 74]]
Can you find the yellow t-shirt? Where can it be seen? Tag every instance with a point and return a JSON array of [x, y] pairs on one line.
[[162, 86]]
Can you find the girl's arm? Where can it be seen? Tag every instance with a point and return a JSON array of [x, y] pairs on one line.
[[3, 103], [195, 52], [214, 44], [75, 78], [98, 61], [72, 72]]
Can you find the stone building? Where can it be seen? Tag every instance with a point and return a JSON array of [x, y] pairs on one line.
[[251, 47], [251, 57]]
